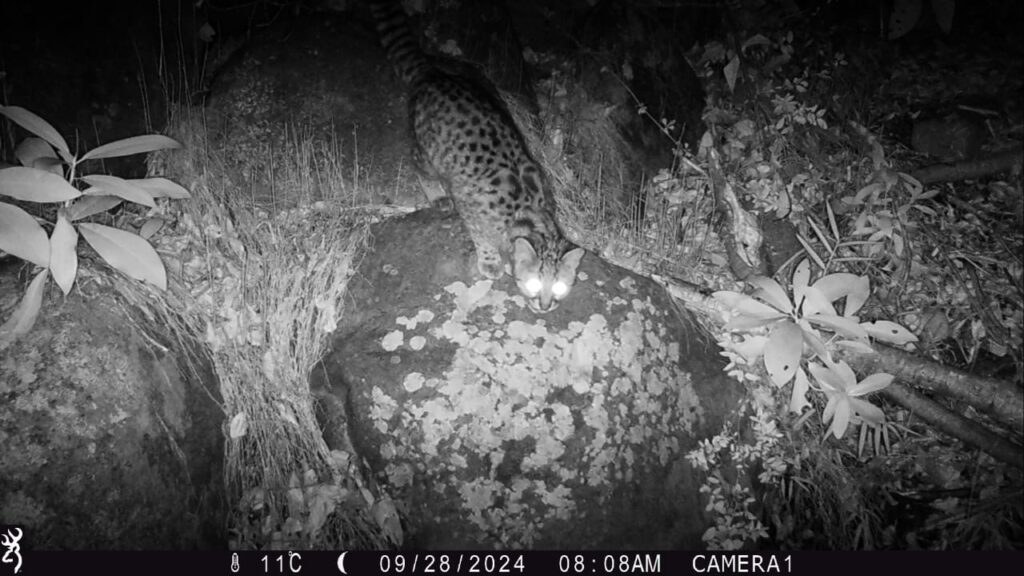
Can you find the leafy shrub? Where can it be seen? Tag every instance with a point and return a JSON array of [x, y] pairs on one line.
[[49, 175]]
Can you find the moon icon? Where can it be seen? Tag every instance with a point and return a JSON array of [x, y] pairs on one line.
[[341, 563]]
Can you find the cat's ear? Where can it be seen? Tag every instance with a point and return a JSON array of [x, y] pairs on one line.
[[524, 255], [569, 261]]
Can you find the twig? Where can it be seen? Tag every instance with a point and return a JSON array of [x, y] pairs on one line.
[[1001, 162], [955, 425], [1001, 400]]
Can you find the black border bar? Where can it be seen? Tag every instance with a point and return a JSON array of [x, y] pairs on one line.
[[578, 563]]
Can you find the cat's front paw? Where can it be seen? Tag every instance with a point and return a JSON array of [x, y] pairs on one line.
[[444, 204], [491, 270]]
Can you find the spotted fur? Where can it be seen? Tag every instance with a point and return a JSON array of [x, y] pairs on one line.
[[464, 138]]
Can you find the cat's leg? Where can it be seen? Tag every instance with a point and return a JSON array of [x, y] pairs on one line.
[[430, 182], [435, 192], [486, 227]]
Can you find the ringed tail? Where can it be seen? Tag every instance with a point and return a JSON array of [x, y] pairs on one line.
[[410, 62]]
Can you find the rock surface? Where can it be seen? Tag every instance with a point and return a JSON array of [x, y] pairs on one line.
[[492, 426], [104, 443]]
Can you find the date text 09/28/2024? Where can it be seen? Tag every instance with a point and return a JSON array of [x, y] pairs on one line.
[[579, 563], [519, 563]]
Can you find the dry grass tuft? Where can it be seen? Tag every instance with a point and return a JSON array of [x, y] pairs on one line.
[[262, 291]]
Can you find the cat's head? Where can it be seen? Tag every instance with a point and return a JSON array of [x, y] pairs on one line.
[[545, 278]]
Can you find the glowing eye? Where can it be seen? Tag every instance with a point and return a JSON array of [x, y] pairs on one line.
[[533, 285], [559, 288]]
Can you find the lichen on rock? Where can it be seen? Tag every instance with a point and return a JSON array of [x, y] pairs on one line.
[[505, 428]]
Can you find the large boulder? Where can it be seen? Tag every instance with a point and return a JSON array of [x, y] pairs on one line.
[[309, 109], [106, 441], [493, 426]]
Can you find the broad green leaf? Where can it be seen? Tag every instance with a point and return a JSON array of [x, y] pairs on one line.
[[129, 146], [63, 253], [802, 274], [867, 411], [846, 374], [126, 252], [813, 341], [51, 165], [872, 189], [728, 298], [152, 226], [34, 185], [862, 226], [751, 348], [830, 406], [798, 399], [852, 286], [854, 346], [22, 236], [162, 188], [32, 149], [120, 187], [890, 332], [36, 125], [925, 209], [823, 376], [915, 187], [813, 302], [755, 309], [927, 194], [744, 323], [801, 279], [840, 325], [872, 383], [25, 314], [856, 298], [841, 421], [89, 205], [732, 72], [782, 352], [770, 291]]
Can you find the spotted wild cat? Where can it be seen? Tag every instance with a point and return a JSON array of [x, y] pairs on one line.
[[464, 137]]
